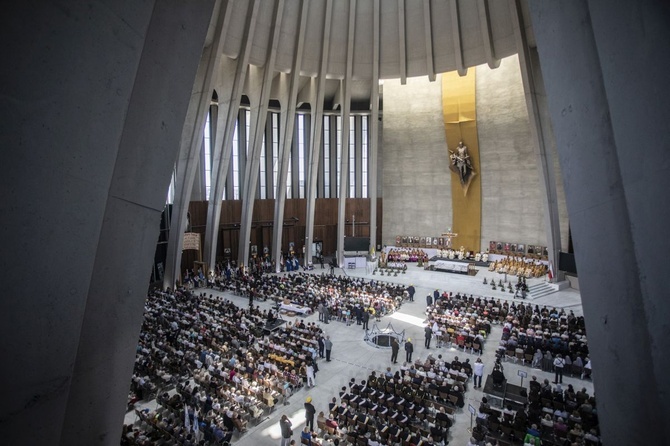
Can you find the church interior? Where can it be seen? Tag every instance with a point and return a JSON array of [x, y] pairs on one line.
[[220, 216]]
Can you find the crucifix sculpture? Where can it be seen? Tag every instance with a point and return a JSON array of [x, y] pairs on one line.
[[449, 235]]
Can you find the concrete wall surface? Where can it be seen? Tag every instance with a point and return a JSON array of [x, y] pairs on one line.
[[95, 97]]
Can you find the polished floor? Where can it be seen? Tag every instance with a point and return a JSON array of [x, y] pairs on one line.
[[353, 357]]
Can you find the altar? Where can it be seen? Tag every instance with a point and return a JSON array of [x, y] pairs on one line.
[[352, 262], [453, 266]]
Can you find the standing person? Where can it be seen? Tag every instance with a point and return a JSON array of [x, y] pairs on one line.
[[321, 260], [321, 346], [411, 290], [559, 363], [409, 349], [395, 347], [365, 317], [358, 311], [326, 313], [310, 410], [286, 431], [310, 374], [478, 372], [428, 334], [319, 308], [329, 346], [436, 296], [429, 300]]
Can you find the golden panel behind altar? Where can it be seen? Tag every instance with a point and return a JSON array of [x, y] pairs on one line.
[[460, 124]]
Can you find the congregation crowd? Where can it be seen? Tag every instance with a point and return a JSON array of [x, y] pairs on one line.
[[341, 297], [550, 339], [214, 367], [553, 416]]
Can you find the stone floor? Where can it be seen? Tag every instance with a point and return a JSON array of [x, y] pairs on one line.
[[352, 357]]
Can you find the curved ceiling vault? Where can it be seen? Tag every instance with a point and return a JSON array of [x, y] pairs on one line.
[[414, 38]]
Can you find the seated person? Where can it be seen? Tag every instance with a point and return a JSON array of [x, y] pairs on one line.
[[560, 428], [310, 437], [532, 434]]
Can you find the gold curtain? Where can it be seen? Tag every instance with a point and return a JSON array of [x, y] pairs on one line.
[[460, 124]]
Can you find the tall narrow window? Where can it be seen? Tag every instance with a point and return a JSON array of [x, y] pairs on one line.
[[364, 157], [289, 173], [275, 153], [262, 179], [339, 153], [246, 133], [236, 165], [352, 156], [326, 156], [207, 148], [170, 195], [301, 156]]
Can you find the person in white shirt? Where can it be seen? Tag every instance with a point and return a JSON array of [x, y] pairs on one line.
[[310, 375], [478, 372], [559, 363]]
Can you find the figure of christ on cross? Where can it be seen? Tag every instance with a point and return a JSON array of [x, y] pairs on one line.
[[449, 235]]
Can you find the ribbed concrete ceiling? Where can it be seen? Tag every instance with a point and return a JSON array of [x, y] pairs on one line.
[[413, 38]]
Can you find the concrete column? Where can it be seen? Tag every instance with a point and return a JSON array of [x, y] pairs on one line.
[[344, 175], [314, 157], [317, 95], [230, 95], [289, 88], [95, 103], [345, 88], [261, 79], [608, 100], [541, 133], [189, 153], [373, 156]]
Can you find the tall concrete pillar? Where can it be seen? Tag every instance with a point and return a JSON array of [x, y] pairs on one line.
[[289, 87], [96, 97], [317, 93], [345, 88], [608, 100], [542, 136], [188, 159], [259, 81], [374, 128]]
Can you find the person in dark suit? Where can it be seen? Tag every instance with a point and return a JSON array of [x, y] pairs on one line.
[[428, 334], [409, 349], [365, 317], [395, 347], [310, 410], [411, 290]]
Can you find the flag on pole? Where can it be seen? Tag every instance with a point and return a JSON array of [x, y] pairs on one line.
[[550, 271], [187, 421]]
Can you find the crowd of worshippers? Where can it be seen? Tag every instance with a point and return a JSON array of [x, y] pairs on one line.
[[340, 295], [413, 405], [539, 335], [226, 373], [407, 255], [553, 415], [462, 321]]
